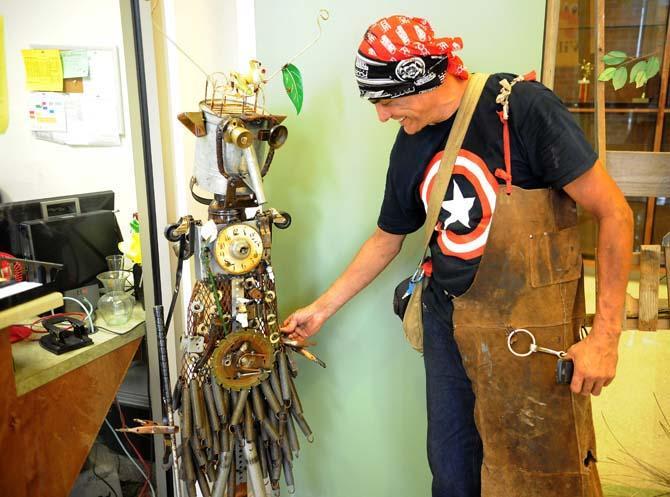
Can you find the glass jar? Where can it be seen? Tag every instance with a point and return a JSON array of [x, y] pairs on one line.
[[115, 306]]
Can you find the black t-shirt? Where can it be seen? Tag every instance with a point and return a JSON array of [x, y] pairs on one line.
[[548, 149]]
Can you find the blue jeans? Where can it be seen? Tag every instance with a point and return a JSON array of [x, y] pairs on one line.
[[454, 446]]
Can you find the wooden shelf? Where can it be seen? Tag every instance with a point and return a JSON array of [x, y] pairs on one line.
[[614, 26], [51, 407], [34, 366], [617, 110], [592, 30]]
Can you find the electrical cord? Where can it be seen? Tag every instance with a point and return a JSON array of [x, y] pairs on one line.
[[87, 311], [145, 465], [175, 293], [123, 447], [102, 328], [101, 478]]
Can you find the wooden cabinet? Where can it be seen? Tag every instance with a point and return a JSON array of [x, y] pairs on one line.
[[636, 119]]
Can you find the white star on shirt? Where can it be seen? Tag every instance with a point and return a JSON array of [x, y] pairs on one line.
[[458, 208]]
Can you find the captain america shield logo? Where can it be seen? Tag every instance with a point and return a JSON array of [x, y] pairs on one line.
[[465, 218]]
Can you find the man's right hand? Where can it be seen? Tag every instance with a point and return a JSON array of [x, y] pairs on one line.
[[304, 322], [372, 258]]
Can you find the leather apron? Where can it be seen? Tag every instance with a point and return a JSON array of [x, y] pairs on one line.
[[538, 437]]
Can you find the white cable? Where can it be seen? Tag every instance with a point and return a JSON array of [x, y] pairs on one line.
[[130, 457], [86, 311]]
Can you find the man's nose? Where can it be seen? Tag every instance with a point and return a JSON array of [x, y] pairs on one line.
[[383, 114]]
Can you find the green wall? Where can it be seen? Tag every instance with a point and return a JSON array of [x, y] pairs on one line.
[[367, 409]]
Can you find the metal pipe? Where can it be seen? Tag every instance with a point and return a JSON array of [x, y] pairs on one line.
[[186, 414], [295, 399], [232, 479], [187, 460], [222, 474], [259, 410], [211, 407], [292, 365], [199, 454], [276, 458], [292, 437], [304, 427], [219, 401], [274, 382], [281, 424], [262, 457], [195, 407], [254, 468], [209, 472], [264, 435], [207, 437], [190, 489], [270, 397], [164, 369], [225, 442], [254, 175], [249, 434], [285, 448], [288, 476], [283, 378], [239, 407], [270, 430], [202, 483]]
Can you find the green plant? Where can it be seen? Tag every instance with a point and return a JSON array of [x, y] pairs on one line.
[[617, 61], [642, 469]]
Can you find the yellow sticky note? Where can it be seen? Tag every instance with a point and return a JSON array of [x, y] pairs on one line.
[[44, 71], [4, 105]]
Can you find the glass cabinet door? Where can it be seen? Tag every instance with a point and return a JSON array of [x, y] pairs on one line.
[[638, 28]]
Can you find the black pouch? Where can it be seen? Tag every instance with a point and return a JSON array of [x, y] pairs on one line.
[[400, 303]]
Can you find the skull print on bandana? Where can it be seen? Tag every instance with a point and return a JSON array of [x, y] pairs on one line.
[[399, 56]]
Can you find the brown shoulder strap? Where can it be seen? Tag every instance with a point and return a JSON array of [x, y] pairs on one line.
[[454, 142]]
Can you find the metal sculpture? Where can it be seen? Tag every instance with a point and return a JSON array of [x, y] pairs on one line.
[[235, 395]]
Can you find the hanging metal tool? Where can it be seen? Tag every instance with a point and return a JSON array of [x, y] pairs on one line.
[[564, 365]]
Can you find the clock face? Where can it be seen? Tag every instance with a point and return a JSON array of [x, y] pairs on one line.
[[238, 248]]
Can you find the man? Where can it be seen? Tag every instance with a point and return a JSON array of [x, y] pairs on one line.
[[537, 437]]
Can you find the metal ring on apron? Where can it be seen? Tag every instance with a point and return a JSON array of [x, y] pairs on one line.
[[509, 342]]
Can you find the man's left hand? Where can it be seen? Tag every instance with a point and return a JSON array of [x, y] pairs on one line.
[[595, 360]]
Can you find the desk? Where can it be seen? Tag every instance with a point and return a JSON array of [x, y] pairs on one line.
[[52, 407]]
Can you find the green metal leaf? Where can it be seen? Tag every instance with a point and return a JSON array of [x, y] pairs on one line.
[[607, 74], [653, 65], [293, 85], [614, 57], [620, 78], [640, 79], [637, 68]]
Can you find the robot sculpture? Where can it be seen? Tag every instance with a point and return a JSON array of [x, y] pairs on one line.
[[236, 398]]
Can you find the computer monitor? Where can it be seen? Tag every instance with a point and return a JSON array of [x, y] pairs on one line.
[[80, 242], [14, 213]]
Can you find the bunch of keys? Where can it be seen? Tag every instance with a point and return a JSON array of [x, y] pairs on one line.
[[416, 278], [564, 365]]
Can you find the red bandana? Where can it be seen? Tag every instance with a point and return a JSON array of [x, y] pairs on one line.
[[396, 38]]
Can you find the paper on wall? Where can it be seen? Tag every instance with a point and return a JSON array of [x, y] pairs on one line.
[[93, 116], [4, 104], [75, 63], [46, 111], [44, 71], [91, 120], [103, 80]]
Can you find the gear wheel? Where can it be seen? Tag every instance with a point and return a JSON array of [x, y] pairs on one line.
[[242, 360]]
